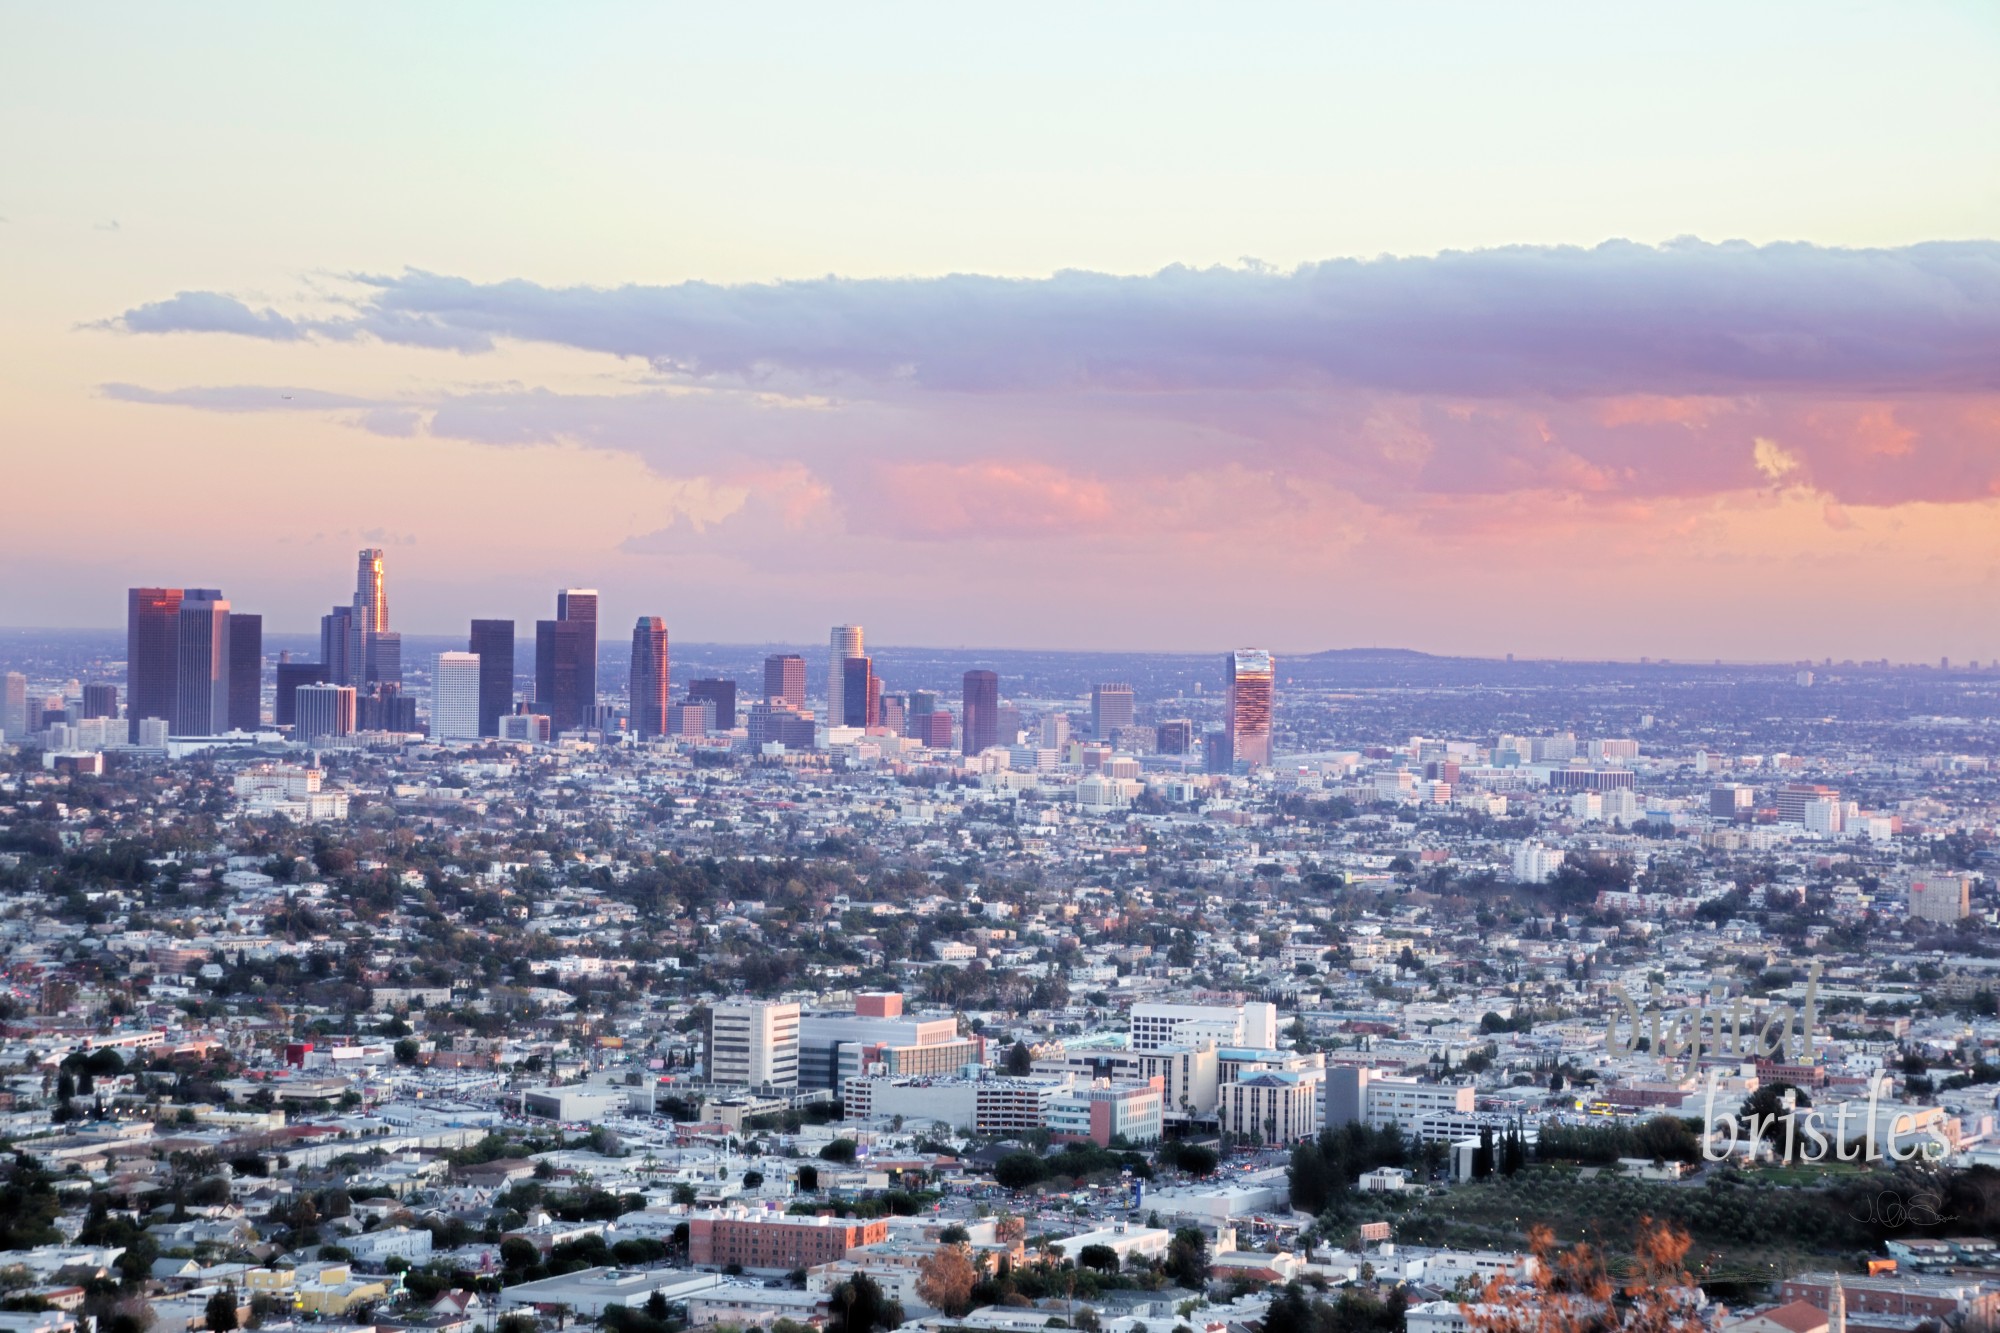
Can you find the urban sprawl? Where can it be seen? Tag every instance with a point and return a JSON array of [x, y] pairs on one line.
[[458, 988]]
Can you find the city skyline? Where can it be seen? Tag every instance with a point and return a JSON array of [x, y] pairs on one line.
[[1396, 331]]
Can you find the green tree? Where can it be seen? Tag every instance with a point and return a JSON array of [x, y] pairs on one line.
[[1187, 1259], [1018, 1171], [220, 1315], [858, 1305]]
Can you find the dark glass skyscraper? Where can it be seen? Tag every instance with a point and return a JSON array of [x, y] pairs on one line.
[[579, 607], [649, 677], [291, 676], [721, 693], [566, 660], [246, 672], [100, 699], [493, 640], [979, 712], [860, 693], [1251, 675], [152, 641], [785, 678], [338, 642]]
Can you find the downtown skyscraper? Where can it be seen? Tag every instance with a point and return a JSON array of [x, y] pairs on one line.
[[566, 660], [201, 665], [493, 642], [152, 638], [649, 678]]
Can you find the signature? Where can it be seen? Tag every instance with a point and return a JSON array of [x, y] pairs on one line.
[[1890, 1209]]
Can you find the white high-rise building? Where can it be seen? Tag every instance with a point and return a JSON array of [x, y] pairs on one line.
[[754, 1043], [455, 697], [843, 643]]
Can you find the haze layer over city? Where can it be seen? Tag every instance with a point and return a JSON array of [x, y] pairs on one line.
[[1295, 669]]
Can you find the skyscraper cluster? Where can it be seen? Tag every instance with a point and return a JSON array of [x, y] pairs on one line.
[[195, 668], [190, 663]]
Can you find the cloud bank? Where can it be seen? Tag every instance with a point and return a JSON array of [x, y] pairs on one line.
[[1686, 318], [1467, 395]]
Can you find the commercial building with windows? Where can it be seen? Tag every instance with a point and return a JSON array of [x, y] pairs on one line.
[[1103, 1111], [775, 1243], [492, 641], [1252, 680], [1155, 1026], [455, 697], [754, 1043]]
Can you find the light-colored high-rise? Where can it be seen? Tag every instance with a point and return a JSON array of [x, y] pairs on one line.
[[753, 1043], [201, 665], [323, 711], [1252, 676], [371, 593], [1110, 709], [13, 705], [843, 643], [455, 697], [1157, 1025]]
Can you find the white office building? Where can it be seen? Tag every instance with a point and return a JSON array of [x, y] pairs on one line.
[[754, 1043], [1155, 1026], [455, 697]]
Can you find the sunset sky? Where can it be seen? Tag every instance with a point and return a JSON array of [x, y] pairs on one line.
[[1546, 329]]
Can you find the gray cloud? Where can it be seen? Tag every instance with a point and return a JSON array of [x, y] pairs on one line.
[[209, 312], [1683, 318]]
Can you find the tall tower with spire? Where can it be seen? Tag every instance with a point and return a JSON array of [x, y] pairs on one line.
[[1836, 1314]]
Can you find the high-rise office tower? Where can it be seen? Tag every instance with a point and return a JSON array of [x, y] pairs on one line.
[[843, 643], [1110, 709], [291, 676], [322, 711], [492, 642], [649, 678], [246, 672], [1174, 736], [566, 660], [1055, 731], [152, 639], [201, 665], [860, 693], [382, 653], [337, 644], [979, 712], [455, 697], [785, 678], [578, 606], [13, 706], [721, 693], [558, 659], [371, 593], [100, 699], [1251, 676]]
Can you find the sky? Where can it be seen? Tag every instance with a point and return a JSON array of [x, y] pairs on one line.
[[1558, 330]]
